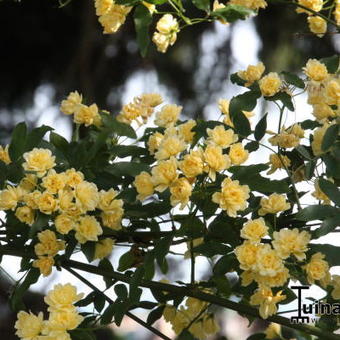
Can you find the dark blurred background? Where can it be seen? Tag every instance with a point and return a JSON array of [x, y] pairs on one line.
[[59, 50]]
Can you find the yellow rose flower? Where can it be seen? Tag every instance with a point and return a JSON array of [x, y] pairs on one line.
[[154, 142], [285, 140], [64, 223], [246, 254], [44, 264], [114, 18], [252, 73], [69, 106], [63, 320], [273, 331], [112, 219], [185, 131], [278, 162], [28, 325], [252, 4], [108, 202], [180, 191], [25, 215], [103, 248], [39, 160], [238, 154], [315, 70], [317, 269], [322, 112], [73, 177], [170, 146], [267, 301], [318, 135], [336, 12], [221, 137], [278, 280], [4, 155], [268, 262], [53, 182], [192, 164], [47, 204], [67, 203], [169, 313], [48, 245], [209, 325], [144, 185], [332, 92], [10, 197], [168, 115], [317, 25], [164, 173], [88, 229], [290, 242], [270, 84], [31, 199], [319, 194], [103, 6], [29, 182], [315, 5], [215, 160], [232, 198], [87, 196], [254, 230], [273, 204], [87, 115], [61, 297]]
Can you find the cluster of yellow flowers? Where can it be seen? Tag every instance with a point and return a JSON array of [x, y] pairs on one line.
[[210, 158], [184, 317], [67, 197], [269, 84], [166, 34], [83, 114], [318, 25], [111, 15], [63, 316], [140, 109]]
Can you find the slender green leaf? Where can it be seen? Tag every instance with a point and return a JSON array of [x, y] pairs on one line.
[[17, 146], [142, 18], [331, 190], [260, 128], [330, 137]]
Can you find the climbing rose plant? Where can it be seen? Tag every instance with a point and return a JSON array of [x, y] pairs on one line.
[[146, 180]]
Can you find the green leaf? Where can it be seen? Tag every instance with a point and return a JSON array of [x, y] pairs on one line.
[[127, 150], [225, 264], [327, 226], [40, 222], [59, 142], [331, 190], [162, 248], [17, 146], [80, 334], [127, 2], [99, 302], [303, 151], [35, 136], [156, 2], [293, 79], [258, 336], [211, 248], [231, 13], [252, 146], [136, 279], [121, 129], [19, 291], [107, 316], [121, 291], [126, 261], [316, 212], [142, 18], [332, 63], [204, 5], [309, 124], [309, 169], [223, 285], [330, 137], [107, 266], [285, 99], [235, 79], [122, 169], [155, 315], [332, 166], [88, 249], [260, 128]]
